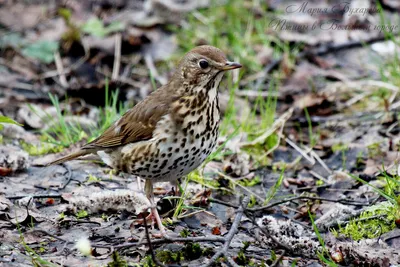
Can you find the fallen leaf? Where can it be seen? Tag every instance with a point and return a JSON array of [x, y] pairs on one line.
[[41, 50]]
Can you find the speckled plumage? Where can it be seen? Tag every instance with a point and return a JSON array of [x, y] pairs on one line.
[[173, 130], [182, 140]]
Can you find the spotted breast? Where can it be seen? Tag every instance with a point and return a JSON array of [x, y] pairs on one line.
[[182, 139]]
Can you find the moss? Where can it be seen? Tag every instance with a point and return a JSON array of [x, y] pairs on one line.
[[241, 258], [372, 223], [191, 251], [40, 149], [375, 150], [92, 178], [339, 147], [184, 233], [167, 256], [81, 214], [253, 202], [117, 261], [147, 262], [250, 182]]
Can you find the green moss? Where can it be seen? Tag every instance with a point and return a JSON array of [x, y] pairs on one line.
[[191, 251], [339, 147], [253, 201], [81, 214], [40, 149], [375, 150], [184, 233], [372, 223], [241, 258], [167, 256], [117, 261], [92, 178], [250, 182]]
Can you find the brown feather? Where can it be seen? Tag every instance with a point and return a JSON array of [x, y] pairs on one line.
[[69, 157], [137, 124]]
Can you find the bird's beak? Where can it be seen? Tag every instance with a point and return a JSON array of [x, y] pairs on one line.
[[231, 65]]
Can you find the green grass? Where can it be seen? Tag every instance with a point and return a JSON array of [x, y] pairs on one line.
[[63, 133], [323, 255], [234, 28]]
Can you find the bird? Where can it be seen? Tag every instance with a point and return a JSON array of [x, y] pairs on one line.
[[171, 131]]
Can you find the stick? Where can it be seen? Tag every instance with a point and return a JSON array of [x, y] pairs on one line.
[[117, 57], [231, 233]]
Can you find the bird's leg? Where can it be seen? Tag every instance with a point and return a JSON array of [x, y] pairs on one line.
[[148, 188]]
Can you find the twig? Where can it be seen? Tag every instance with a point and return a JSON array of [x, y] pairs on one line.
[[153, 255], [117, 57], [342, 201], [231, 261], [148, 59], [227, 204], [276, 263], [68, 174], [266, 207], [165, 240], [231, 233], [275, 126], [35, 196], [52, 73], [49, 234], [80, 221], [60, 70]]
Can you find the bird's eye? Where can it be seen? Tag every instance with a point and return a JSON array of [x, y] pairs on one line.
[[203, 64]]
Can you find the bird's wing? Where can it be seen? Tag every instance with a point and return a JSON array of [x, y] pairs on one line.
[[137, 124]]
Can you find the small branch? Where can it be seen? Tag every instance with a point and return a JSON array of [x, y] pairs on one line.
[[342, 201], [165, 240], [60, 70], [227, 204], [276, 263], [153, 255], [117, 57], [35, 196], [68, 174], [266, 207], [231, 233], [49, 234], [148, 59]]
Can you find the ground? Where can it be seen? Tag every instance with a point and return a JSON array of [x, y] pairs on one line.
[[306, 172]]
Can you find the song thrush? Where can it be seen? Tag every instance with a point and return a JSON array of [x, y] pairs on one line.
[[173, 130]]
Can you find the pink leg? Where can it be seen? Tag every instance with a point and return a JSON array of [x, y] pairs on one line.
[[148, 187]]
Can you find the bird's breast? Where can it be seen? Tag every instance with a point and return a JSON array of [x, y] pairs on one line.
[[181, 141]]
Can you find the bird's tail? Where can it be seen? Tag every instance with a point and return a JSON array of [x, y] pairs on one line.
[[81, 152]]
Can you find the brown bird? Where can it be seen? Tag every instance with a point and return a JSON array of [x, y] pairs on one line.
[[172, 131]]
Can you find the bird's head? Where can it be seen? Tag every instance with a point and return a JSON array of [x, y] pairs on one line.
[[204, 64]]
